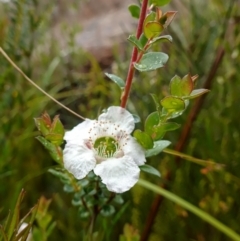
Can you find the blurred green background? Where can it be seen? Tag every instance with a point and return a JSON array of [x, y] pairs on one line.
[[201, 31]]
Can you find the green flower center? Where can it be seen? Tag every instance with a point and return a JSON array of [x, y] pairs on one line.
[[106, 146]]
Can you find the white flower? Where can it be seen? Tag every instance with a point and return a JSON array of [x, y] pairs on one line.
[[106, 147]]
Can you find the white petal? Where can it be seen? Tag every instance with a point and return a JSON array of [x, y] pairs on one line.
[[119, 174], [79, 132], [78, 160], [133, 148], [119, 116]]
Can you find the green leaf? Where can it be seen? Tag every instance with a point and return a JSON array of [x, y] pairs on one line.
[[134, 10], [50, 228], [76, 202], [173, 104], [14, 221], [150, 169], [175, 86], [156, 101], [8, 221], [136, 118], [196, 93], [169, 126], [143, 138], [171, 115], [187, 85], [152, 29], [59, 173], [157, 148], [56, 139], [41, 125], [159, 131], [143, 40], [68, 188], [118, 199], [117, 80], [156, 129], [4, 235], [151, 61], [181, 87], [159, 2], [161, 38], [151, 17], [57, 126], [151, 121], [133, 39], [55, 151], [107, 210], [83, 213]]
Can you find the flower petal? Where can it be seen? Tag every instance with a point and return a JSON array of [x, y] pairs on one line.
[[119, 174], [78, 160], [79, 132], [119, 116], [132, 148]]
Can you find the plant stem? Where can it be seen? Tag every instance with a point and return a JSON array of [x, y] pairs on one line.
[[36, 86], [190, 207], [131, 69], [91, 227]]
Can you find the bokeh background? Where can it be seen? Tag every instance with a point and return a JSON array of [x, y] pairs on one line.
[[66, 47]]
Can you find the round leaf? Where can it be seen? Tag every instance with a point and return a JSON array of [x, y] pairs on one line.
[[151, 61], [68, 188], [107, 210], [134, 10], [144, 139], [152, 29], [118, 199], [159, 131], [159, 2], [150, 18], [116, 79], [162, 38], [42, 126], [173, 104], [133, 39], [83, 213], [151, 121], [136, 118], [181, 87], [157, 148], [55, 139]]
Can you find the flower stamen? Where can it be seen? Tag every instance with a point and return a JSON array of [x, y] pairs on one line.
[[106, 147]]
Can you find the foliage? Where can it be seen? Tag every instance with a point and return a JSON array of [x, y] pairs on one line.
[[198, 33], [16, 228]]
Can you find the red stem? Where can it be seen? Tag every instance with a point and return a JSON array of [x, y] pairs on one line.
[[134, 56]]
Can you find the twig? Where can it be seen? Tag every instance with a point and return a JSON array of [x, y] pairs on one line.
[[36, 86], [182, 140], [129, 79], [187, 128], [199, 103]]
